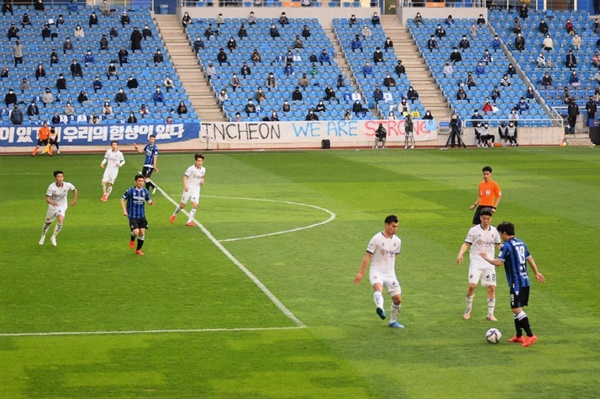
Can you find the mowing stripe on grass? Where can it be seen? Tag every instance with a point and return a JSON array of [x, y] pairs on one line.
[[174, 331], [239, 264], [331, 217]]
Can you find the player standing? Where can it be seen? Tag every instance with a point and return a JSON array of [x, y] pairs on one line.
[[133, 204], [381, 253], [515, 256], [151, 158], [482, 238], [56, 197], [489, 194], [193, 179], [53, 140], [113, 159], [43, 135]]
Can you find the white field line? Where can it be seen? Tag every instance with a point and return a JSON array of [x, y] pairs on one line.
[[239, 264], [331, 217], [131, 332]]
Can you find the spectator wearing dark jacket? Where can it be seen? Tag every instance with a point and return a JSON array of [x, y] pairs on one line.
[[136, 40]]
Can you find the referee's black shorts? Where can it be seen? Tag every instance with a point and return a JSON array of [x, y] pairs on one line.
[[138, 223]]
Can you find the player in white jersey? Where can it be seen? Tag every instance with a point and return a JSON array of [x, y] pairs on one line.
[[381, 254], [113, 160], [56, 197], [193, 179], [481, 238]]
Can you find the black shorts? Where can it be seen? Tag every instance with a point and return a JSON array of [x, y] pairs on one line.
[[520, 299], [147, 171], [138, 223], [41, 142]]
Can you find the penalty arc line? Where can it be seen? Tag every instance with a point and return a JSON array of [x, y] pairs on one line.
[[239, 264]]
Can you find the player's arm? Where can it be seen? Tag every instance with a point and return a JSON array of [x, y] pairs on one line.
[[461, 252], [202, 181], [103, 162], [498, 198], [123, 207], [185, 186], [74, 197], [538, 276], [363, 268], [138, 149], [49, 201], [495, 262], [155, 162], [121, 161], [475, 204]]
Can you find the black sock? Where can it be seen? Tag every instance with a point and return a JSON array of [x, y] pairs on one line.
[[140, 243], [132, 237], [518, 327]]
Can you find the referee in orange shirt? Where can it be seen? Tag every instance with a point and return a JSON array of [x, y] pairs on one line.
[[43, 136], [489, 195]]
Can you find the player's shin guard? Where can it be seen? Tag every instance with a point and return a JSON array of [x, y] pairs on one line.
[[192, 215], [491, 306], [378, 298], [524, 323], [108, 189], [57, 229], [140, 242], [45, 228], [518, 327], [469, 301], [394, 312]]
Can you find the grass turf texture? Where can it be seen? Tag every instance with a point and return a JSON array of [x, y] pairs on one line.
[[93, 282]]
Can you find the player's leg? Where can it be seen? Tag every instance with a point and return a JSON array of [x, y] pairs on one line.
[[147, 173], [140, 241], [184, 200], [520, 300], [192, 215], [489, 281], [474, 276], [59, 223], [37, 147], [394, 290], [377, 284], [50, 216]]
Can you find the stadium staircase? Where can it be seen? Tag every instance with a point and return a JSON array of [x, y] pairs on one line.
[[417, 71], [187, 67]]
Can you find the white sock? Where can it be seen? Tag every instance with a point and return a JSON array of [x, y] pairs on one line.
[[108, 189], [491, 306], [469, 302], [45, 229], [394, 312], [57, 229], [103, 188], [378, 298], [192, 215]]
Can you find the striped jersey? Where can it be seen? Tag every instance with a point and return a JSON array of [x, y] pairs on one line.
[[136, 202], [150, 152], [514, 252]]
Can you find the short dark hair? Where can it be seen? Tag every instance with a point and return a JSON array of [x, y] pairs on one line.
[[487, 169], [58, 172], [139, 176], [198, 155], [487, 211], [391, 219], [152, 136], [506, 227], [114, 141]]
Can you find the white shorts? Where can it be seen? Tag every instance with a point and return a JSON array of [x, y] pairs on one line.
[[193, 194], [486, 276], [110, 176], [54, 211], [389, 282]]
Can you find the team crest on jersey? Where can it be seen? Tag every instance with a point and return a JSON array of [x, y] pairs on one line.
[[488, 192]]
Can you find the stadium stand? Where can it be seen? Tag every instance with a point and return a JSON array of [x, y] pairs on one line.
[[140, 64]]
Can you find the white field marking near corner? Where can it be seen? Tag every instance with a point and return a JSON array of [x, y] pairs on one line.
[[239, 264], [131, 332], [331, 217]]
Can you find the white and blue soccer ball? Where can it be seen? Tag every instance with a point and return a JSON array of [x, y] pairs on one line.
[[493, 335]]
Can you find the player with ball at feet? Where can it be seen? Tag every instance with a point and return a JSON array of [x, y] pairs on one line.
[[381, 254], [515, 256]]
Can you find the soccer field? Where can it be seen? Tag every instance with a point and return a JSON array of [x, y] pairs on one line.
[[258, 300]]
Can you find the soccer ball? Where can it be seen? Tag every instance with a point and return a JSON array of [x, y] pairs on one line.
[[493, 335]]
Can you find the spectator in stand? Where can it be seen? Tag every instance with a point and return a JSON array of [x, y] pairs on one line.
[[136, 40], [389, 44], [47, 97], [571, 60], [297, 95], [107, 109], [146, 32], [576, 42], [88, 58], [144, 110], [25, 86], [464, 43], [479, 69], [304, 82], [375, 20], [517, 28], [18, 53], [7, 8], [82, 98], [427, 116], [546, 80], [530, 93], [572, 112], [520, 42], [33, 109], [47, 33], [93, 20], [548, 43], [198, 44], [274, 32], [271, 82], [495, 95], [67, 45], [324, 57], [311, 116], [320, 108], [358, 109], [250, 108], [591, 107], [404, 107], [377, 95], [305, 32], [596, 60], [283, 20], [367, 69], [235, 82], [76, 70], [25, 20], [61, 83], [123, 56], [181, 108], [158, 58], [432, 44], [505, 81], [448, 70], [16, 116], [103, 43], [231, 44], [473, 31], [461, 95], [400, 69], [40, 72], [440, 32], [388, 81], [487, 106], [120, 97], [132, 118], [412, 94], [470, 81], [366, 32], [168, 83], [523, 11], [186, 20], [260, 95], [158, 96], [378, 56], [543, 27], [113, 33], [569, 27], [125, 20], [480, 20], [510, 70], [574, 79], [418, 20], [522, 106], [13, 31], [449, 20], [105, 8], [211, 71], [352, 20], [112, 71], [455, 56], [356, 44]]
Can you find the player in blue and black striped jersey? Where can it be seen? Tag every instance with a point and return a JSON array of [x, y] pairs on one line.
[[150, 152], [133, 204], [515, 256]]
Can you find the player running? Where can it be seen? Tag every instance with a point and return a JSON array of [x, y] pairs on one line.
[[193, 179], [133, 204], [113, 160], [56, 197], [151, 158], [383, 248]]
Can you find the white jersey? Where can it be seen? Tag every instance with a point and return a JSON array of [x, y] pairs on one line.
[[59, 194], [194, 176], [482, 241], [113, 159], [384, 251]]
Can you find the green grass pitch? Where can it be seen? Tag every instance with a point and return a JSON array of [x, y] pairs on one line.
[[204, 316]]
